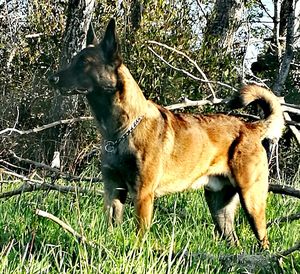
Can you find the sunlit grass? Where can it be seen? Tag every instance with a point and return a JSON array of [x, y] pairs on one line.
[[32, 244]]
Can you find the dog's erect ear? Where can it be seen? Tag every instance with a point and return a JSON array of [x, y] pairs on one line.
[[91, 39], [110, 43]]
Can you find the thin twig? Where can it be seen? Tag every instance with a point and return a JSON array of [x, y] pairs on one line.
[[189, 59], [191, 75], [5, 163], [264, 8], [200, 7], [204, 78]]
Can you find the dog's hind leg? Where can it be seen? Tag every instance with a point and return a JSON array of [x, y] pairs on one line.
[[222, 205], [250, 170], [253, 201]]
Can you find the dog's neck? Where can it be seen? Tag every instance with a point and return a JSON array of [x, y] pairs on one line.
[[116, 111]]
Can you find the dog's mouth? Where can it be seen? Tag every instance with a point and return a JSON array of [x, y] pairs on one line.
[[74, 91]]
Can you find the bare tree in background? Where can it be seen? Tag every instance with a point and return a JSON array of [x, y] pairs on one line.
[[280, 52], [289, 27], [223, 24], [79, 15]]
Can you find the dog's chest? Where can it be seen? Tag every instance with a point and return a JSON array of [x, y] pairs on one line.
[[121, 167]]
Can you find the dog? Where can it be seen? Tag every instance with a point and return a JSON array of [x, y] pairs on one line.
[[148, 151]]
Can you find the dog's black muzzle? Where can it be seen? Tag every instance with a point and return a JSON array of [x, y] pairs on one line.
[[53, 79]]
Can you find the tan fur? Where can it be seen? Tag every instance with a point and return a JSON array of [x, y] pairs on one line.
[[168, 152], [183, 151]]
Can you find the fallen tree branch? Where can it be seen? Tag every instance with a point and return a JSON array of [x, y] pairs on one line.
[[293, 129], [284, 219], [292, 123], [291, 109], [286, 190], [55, 170], [31, 187], [248, 262], [80, 238], [288, 251], [290, 105], [38, 129], [41, 185]]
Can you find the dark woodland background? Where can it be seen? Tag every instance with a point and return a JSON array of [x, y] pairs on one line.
[[37, 37]]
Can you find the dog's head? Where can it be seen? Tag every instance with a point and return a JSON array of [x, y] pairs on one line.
[[93, 69]]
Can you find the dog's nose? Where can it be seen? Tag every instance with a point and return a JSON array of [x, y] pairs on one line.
[[54, 79]]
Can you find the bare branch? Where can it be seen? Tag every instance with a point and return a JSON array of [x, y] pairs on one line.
[[264, 8], [292, 123], [34, 35], [291, 109], [294, 130], [288, 251], [190, 60], [248, 262], [190, 103], [191, 75], [38, 129], [290, 105], [35, 185], [56, 171], [5, 163], [284, 219], [65, 226], [31, 187], [283, 189]]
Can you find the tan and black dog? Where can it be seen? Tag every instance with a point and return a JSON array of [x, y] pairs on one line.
[[149, 151]]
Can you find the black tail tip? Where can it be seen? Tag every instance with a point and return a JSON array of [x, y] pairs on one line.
[[236, 102]]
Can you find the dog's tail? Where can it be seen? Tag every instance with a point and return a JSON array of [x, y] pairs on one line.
[[272, 125]]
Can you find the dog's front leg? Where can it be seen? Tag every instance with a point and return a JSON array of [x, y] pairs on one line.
[[144, 209], [114, 203]]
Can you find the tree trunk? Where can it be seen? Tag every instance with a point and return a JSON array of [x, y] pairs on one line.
[[289, 23], [222, 25], [79, 14]]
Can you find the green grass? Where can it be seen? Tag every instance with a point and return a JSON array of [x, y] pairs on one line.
[[33, 244]]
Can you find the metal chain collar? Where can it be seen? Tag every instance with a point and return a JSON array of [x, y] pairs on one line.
[[110, 146]]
